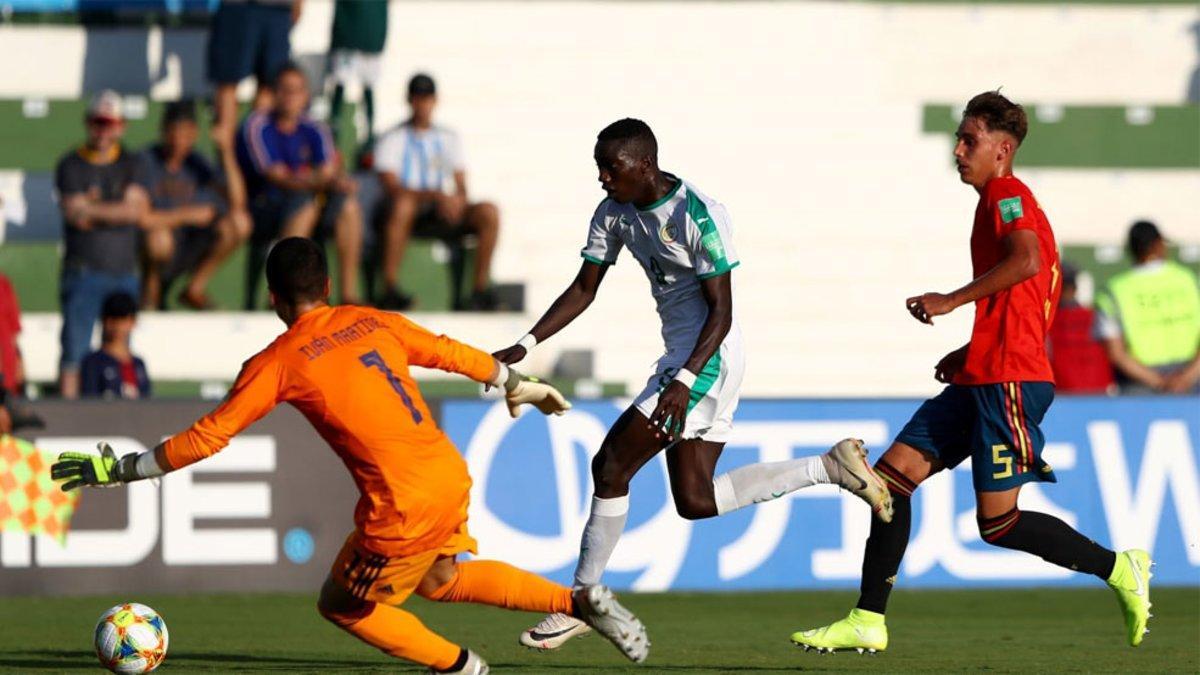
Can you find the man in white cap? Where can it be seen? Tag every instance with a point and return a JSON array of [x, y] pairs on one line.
[[102, 195]]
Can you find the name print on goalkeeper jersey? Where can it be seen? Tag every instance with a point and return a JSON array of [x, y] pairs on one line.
[[344, 336], [347, 370]]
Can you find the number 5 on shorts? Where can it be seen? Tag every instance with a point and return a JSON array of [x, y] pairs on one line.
[[1002, 460]]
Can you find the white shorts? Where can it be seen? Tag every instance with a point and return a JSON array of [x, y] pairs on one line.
[[348, 66], [714, 396]]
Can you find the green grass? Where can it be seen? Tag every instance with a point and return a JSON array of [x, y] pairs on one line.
[[1024, 631]]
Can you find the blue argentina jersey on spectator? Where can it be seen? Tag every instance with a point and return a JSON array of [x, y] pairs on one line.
[[420, 159], [261, 145]]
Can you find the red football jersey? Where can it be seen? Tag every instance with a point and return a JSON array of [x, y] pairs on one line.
[[1008, 343]]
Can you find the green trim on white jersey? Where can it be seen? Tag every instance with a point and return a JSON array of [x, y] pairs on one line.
[[677, 241], [666, 198]]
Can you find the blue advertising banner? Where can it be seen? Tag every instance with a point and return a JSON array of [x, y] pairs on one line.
[[1127, 471]]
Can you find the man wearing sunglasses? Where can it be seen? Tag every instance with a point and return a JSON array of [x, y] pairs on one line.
[[102, 194]]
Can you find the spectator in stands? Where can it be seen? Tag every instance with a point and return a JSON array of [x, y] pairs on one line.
[[198, 215], [359, 33], [1149, 319], [421, 170], [12, 367], [247, 37], [1079, 360], [114, 371], [14, 415], [102, 195], [294, 180]]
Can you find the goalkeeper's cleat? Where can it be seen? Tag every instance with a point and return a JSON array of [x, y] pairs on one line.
[[853, 473], [1130, 580], [475, 665], [862, 631], [599, 608], [553, 632]]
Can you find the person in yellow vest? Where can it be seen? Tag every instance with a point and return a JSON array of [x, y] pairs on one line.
[[1149, 319]]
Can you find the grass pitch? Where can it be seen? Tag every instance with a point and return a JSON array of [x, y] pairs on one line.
[[1025, 631]]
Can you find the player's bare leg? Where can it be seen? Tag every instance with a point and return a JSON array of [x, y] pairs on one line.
[[630, 443], [691, 465]]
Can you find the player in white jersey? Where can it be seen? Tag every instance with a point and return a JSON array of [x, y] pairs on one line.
[[683, 241]]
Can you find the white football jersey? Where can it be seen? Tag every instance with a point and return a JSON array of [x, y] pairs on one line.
[[678, 240]]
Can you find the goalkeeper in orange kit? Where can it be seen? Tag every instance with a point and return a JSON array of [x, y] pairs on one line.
[[347, 370]]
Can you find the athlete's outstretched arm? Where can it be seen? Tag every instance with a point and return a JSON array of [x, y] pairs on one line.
[[255, 393], [668, 417], [563, 310], [1022, 260]]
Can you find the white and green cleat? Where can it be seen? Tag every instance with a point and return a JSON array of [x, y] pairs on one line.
[[862, 631], [848, 468], [1130, 580]]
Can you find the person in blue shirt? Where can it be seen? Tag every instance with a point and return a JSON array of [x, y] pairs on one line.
[[294, 179], [114, 371]]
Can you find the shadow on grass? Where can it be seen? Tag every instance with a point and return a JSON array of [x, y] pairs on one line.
[[60, 659], [66, 659]]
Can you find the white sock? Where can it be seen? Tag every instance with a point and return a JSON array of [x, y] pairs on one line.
[[766, 481], [600, 536]]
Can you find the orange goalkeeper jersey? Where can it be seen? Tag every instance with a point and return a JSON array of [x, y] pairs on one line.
[[346, 370]]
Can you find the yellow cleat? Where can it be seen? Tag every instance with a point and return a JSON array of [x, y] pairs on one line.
[[1130, 580], [862, 631]]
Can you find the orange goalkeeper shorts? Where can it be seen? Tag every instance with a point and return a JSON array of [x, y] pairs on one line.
[[375, 578]]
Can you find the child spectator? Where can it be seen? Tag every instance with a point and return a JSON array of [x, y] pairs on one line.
[[197, 216], [102, 195], [114, 371]]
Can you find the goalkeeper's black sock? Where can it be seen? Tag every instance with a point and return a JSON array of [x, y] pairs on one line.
[[1050, 539], [886, 545]]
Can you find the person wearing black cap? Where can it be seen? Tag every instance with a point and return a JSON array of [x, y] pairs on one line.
[[114, 371], [1149, 319], [421, 170]]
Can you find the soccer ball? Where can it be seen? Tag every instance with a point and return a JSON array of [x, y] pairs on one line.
[[130, 639]]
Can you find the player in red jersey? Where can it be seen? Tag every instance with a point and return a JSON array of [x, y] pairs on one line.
[[1000, 386]]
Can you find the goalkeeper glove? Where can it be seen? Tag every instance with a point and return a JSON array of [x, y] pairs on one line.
[[103, 470], [520, 389]]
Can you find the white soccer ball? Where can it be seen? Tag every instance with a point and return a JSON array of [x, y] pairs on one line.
[[130, 639]]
